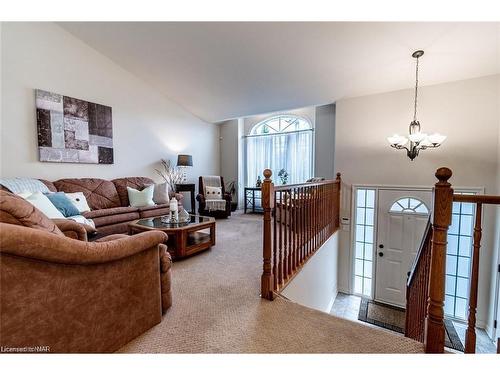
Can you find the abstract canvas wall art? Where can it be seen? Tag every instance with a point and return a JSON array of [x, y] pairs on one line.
[[71, 130]]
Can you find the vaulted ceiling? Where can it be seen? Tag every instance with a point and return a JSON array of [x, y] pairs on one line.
[[227, 70]]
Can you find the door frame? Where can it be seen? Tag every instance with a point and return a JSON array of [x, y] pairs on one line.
[[394, 195], [377, 187]]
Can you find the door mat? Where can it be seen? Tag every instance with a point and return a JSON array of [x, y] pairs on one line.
[[393, 318]]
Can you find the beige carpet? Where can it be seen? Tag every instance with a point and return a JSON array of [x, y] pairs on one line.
[[217, 309]]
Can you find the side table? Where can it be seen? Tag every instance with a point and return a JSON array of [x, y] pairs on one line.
[[253, 200], [191, 188]]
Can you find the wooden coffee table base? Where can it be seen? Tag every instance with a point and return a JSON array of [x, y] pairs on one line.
[[183, 241]]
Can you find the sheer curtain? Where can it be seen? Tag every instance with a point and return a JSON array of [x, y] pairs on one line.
[[291, 151]]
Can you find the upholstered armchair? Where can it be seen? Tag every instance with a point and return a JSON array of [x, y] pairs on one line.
[[70, 295], [221, 209]]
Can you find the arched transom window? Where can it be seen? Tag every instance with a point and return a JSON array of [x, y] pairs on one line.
[[280, 143], [409, 205], [280, 124]]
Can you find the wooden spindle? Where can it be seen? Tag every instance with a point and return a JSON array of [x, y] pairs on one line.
[[267, 194], [470, 334], [443, 202], [285, 237], [275, 245], [280, 245]]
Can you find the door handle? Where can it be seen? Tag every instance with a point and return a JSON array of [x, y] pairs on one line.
[[380, 254]]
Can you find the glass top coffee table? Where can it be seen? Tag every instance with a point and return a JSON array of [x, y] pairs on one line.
[[184, 239]]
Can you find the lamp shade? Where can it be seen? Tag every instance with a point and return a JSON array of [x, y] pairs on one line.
[[184, 161]]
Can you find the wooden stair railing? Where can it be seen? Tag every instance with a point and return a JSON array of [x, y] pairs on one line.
[[427, 278], [298, 220], [478, 200], [417, 289]]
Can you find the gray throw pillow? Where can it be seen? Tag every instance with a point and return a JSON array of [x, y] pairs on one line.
[[160, 195]]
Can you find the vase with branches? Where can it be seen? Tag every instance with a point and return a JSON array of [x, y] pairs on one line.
[[170, 173]]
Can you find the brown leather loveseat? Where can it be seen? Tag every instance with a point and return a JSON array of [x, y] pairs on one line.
[[70, 295]]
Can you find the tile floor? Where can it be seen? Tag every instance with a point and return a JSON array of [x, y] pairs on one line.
[[347, 306]]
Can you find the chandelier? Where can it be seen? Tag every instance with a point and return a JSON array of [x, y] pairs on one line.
[[416, 140]]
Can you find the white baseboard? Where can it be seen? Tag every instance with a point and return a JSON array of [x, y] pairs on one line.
[[332, 300]]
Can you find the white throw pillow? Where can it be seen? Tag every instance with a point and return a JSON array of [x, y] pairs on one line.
[[141, 198], [160, 195], [40, 201], [213, 192], [79, 200]]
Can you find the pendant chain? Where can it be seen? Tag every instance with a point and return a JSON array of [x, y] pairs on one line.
[[416, 94]]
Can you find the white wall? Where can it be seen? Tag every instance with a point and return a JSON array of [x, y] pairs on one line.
[[228, 137], [495, 294], [324, 137], [466, 111], [146, 125], [315, 286]]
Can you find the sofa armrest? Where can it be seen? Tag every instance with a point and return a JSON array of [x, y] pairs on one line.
[[165, 278], [227, 197], [72, 229], [33, 243], [165, 271]]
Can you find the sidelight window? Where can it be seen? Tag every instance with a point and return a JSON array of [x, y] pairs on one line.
[[363, 241], [458, 260]]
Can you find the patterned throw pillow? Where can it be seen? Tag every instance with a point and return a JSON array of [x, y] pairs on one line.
[[213, 192], [79, 200]]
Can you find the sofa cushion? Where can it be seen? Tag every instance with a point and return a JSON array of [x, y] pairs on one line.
[[109, 212], [115, 219], [153, 208], [16, 210], [49, 185], [121, 185], [99, 193], [157, 210]]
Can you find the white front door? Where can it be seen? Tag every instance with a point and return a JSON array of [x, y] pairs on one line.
[[402, 217]]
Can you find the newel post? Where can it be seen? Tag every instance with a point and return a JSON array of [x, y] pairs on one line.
[[267, 191], [434, 322]]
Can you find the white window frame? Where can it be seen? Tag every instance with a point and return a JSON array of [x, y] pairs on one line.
[[249, 134]]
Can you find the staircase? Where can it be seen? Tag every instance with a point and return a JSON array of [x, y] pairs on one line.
[[426, 282]]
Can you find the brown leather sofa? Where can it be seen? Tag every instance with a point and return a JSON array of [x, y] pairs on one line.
[[108, 200], [62, 292]]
